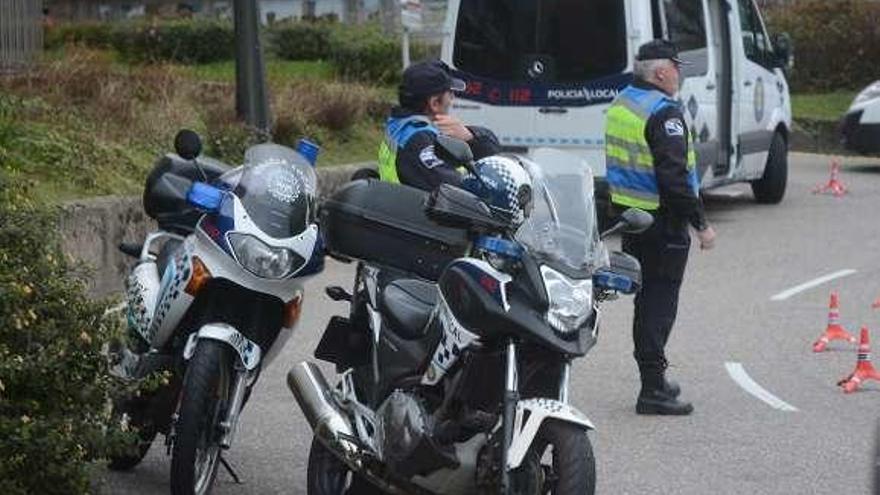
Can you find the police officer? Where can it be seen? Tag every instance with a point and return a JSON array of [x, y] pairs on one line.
[[651, 165], [407, 154]]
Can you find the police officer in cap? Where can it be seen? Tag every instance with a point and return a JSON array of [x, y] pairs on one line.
[[651, 165], [407, 154]]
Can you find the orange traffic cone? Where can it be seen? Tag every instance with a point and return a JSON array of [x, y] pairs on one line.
[[834, 330], [876, 303], [834, 185], [864, 369]]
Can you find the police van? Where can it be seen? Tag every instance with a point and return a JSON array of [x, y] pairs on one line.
[[542, 73]]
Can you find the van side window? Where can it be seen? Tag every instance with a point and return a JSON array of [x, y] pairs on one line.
[[571, 41], [755, 41], [684, 23]]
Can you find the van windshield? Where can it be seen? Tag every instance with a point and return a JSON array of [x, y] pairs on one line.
[[550, 41]]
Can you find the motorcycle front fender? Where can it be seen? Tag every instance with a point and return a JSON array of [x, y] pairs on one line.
[[248, 351], [530, 415]]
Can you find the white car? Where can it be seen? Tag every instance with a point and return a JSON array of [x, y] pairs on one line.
[[542, 73], [860, 127]]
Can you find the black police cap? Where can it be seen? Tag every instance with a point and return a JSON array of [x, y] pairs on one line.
[[428, 79], [660, 50]]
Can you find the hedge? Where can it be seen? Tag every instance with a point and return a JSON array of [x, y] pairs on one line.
[[836, 42], [301, 40], [186, 42], [360, 53]]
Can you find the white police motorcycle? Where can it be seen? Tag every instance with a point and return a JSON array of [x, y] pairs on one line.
[[238, 245], [465, 318]]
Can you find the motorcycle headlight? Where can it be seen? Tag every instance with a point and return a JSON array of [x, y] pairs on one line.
[[262, 259], [571, 301], [869, 93]]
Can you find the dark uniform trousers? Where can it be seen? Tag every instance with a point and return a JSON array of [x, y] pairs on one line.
[[663, 253]]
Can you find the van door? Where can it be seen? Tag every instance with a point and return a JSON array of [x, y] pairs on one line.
[[540, 72], [756, 92], [691, 26]]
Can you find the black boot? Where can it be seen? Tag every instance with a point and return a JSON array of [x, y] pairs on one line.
[[672, 388], [657, 395]]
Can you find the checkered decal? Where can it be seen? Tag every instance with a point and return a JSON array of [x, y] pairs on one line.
[[453, 341], [138, 313], [182, 271]]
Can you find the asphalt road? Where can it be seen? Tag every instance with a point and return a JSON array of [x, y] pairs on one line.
[[733, 443]]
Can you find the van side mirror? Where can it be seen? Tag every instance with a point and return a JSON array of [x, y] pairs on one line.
[[782, 49], [188, 144], [454, 150]]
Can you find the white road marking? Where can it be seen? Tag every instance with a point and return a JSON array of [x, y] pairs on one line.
[[739, 375], [115, 309], [812, 283]]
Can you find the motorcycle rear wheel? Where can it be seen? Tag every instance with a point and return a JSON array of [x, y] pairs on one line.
[[145, 433], [196, 453], [327, 475]]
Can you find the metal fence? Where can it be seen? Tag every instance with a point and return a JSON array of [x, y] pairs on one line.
[[21, 33]]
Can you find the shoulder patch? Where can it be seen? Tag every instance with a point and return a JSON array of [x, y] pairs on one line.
[[428, 158], [674, 127]]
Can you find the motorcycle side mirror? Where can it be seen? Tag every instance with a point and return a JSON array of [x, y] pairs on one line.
[[205, 197], [188, 144], [454, 150], [632, 221], [623, 274]]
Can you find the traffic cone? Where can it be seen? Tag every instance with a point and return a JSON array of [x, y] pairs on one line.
[[876, 303], [864, 369], [834, 185], [834, 330]]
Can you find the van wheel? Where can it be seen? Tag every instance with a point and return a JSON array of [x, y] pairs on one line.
[[770, 188]]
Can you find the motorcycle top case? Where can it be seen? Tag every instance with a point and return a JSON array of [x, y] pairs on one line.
[[166, 188], [383, 223]]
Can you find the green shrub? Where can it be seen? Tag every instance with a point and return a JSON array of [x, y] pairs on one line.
[[91, 34], [836, 43], [365, 53], [54, 386], [301, 40], [186, 42]]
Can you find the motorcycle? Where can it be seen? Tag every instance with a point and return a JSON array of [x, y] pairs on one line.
[[239, 243], [455, 358]]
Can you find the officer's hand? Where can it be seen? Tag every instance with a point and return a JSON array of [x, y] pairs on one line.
[[452, 127], [707, 238]]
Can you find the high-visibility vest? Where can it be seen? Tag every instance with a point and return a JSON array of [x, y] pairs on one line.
[[628, 158], [398, 131]]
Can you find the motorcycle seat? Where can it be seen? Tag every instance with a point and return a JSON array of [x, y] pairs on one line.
[[407, 303]]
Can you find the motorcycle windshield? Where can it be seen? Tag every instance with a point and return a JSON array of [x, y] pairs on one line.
[[277, 187], [562, 230]]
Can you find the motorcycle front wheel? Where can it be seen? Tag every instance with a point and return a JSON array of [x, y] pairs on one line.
[[327, 475], [196, 453], [559, 462]]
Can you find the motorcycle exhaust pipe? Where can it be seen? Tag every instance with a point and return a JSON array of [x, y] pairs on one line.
[[312, 394]]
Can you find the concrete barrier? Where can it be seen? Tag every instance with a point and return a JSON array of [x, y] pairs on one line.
[[91, 229]]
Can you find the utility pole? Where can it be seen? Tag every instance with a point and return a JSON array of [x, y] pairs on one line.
[[251, 95]]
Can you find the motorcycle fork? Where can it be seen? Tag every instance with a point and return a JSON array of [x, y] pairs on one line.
[[229, 425], [511, 397]]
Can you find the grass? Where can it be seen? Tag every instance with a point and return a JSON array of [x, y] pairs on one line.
[[85, 124], [823, 106], [277, 71]]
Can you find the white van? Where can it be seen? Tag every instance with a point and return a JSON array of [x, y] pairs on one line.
[[541, 73]]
